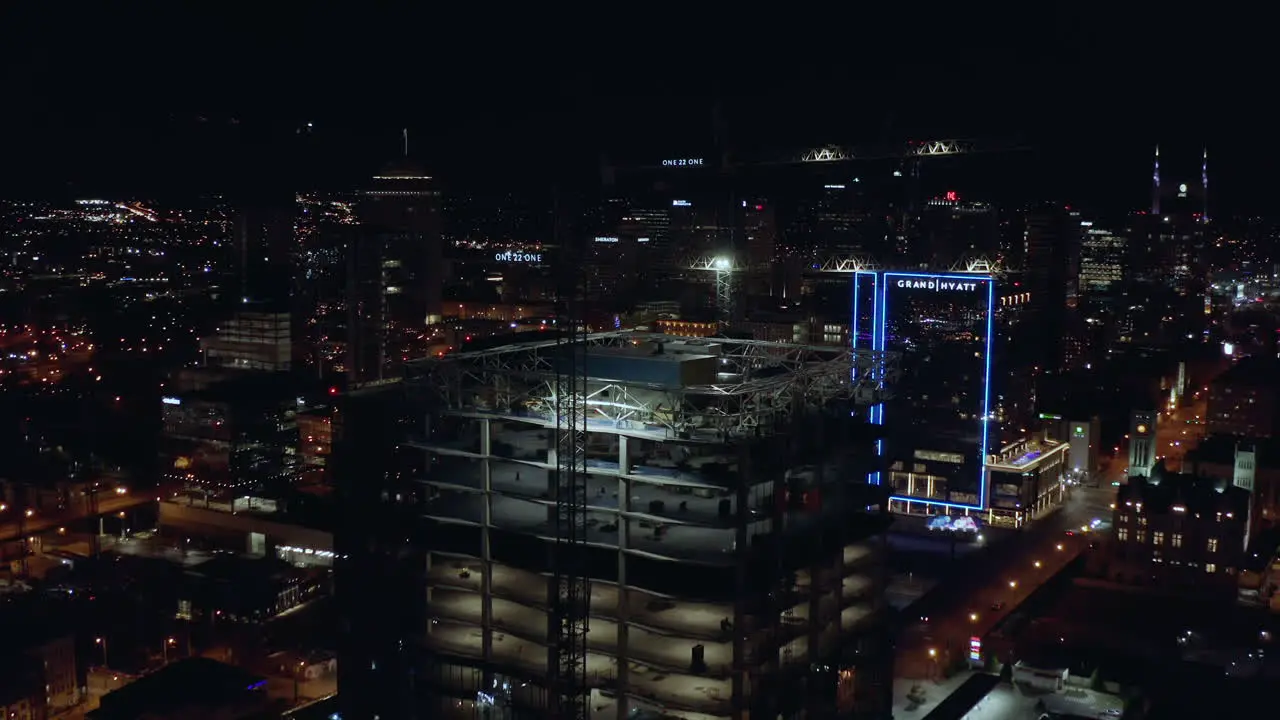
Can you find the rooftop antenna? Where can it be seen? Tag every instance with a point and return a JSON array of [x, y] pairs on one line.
[[1155, 185], [406, 141], [1204, 185]]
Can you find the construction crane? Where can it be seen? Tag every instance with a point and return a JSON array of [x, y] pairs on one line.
[[571, 592], [724, 261]]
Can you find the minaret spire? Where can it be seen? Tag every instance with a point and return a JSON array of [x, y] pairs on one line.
[[1155, 184], [1204, 186]]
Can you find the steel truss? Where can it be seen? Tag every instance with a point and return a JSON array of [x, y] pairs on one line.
[[569, 607], [760, 387], [848, 264], [977, 264], [931, 148]]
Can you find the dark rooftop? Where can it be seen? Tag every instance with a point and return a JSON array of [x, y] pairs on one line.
[[191, 682], [1255, 370], [1222, 449], [1164, 489], [238, 568]]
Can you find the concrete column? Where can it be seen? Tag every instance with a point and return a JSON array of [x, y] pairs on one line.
[[624, 593], [486, 555], [739, 707]]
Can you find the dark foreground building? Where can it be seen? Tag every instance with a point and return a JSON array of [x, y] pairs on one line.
[[736, 557]]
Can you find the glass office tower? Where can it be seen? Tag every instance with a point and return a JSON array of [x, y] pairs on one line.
[[937, 422]]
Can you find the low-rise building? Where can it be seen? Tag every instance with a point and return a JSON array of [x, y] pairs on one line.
[[1250, 464], [188, 690], [1179, 532]]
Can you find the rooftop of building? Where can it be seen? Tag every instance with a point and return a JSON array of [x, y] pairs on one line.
[[402, 168], [263, 386], [1166, 491], [1026, 454], [1221, 449], [29, 620], [225, 567], [1252, 371], [190, 682]]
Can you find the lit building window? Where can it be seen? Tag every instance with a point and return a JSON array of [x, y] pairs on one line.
[[1210, 567], [1123, 534], [1177, 540], [1213, 544], [1140, 536], [1157, 538]]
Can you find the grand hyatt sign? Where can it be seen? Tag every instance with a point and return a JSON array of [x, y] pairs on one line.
[[938, 285]]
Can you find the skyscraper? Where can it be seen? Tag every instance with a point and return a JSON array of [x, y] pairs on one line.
[[395, 268], [937, 424]]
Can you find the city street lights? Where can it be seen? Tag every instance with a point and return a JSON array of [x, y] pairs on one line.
[[298, 673], [1039, 564], [103, 642], [1013, 584], [168, 643], [1059, 547], [973, 617]]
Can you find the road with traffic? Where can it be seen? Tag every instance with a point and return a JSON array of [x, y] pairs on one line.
[[926, 645], [38, 522]]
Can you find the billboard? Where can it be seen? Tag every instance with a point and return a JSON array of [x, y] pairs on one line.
[[942, 326]]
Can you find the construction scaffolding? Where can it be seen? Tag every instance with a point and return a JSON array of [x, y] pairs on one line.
[[712, 525], [757, 386]]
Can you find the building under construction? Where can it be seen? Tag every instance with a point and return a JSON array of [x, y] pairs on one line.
[[735, 556]]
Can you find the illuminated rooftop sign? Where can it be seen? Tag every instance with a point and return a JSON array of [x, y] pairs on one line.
[[171, 401], [680, 203], [936, 284], [513, 256], [682, 162]]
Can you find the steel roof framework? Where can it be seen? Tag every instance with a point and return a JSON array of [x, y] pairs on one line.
[[763, 383]]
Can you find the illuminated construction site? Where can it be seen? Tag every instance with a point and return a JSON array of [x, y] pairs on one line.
[[734, 555]]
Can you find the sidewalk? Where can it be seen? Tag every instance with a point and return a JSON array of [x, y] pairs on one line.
[[934, 693]]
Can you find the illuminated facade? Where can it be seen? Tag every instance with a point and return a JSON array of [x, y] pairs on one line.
[[937, 423]]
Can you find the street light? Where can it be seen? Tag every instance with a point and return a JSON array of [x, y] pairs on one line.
[[103, 642], [973, 617], [933, 652], [1013, 584], [1039, 564], [169, 642], [1059, 547]]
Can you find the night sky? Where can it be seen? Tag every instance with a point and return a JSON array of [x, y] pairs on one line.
[[178, 101]]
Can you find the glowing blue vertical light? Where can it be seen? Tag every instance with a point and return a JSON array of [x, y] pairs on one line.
[[986, 394]]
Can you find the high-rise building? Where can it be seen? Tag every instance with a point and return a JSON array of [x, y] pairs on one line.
[[237, 435], [252, 339], [395, 269], [1103, 259], [1051, 276], [950, 230], [1243, 400], [734, 571], [938, 423], [326, 227], [264, 245]]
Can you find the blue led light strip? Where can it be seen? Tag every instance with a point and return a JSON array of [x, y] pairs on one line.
[[879, 327]]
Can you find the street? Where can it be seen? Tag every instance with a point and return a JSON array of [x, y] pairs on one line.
[[926, 647], [41, 522], [1180, 429]]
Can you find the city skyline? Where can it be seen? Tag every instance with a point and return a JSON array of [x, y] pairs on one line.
[[492, 112]]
